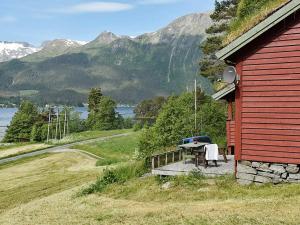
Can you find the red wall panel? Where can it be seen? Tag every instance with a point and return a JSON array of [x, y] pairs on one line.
[[268, 123]]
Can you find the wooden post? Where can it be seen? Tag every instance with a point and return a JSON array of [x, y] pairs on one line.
[[179, 157], [158, 161], [173, 157], [153, 162], [166, 158]]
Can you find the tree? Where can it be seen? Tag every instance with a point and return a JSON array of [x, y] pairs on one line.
[[225, 11], [22, 123], [176, 121], [94, 99], [147, 111], [105, 117]]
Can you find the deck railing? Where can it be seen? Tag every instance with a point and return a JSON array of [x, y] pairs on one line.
[[165, 158]]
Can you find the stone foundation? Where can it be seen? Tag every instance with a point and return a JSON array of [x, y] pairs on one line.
[[262, 173]]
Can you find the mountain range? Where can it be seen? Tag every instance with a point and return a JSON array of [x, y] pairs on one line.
[[129, 69], [15, 50]]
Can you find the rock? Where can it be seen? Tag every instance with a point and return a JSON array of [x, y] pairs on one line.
[[265, 170], [265, 165], [294, 176], [277, 180], [246, 163], [293, 181], [292, 164], [244, 182], [245, 176], [266, 174], [277, 169], [261, 179], [292, 169], [246, 169], [255, 164], [280, 164], [166, 186], [284, 175]]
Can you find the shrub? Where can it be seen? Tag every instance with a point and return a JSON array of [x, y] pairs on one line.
[[137, 126], [118, 174], [176, 121]]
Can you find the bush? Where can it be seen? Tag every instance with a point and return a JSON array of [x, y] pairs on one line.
[[119, 175], [128, 123], [137, 126], [176, 121], [39, 132]]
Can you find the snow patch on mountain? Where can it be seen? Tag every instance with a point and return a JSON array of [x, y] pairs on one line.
[[15, 50]]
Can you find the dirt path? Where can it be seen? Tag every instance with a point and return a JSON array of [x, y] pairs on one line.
[[62, 148]]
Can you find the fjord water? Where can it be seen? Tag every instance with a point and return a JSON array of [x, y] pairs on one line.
[[6, 115]]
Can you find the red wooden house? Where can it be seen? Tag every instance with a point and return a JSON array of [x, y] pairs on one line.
[[264, 129]]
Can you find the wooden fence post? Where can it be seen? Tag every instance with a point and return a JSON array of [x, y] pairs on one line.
[[166, 159], [153, 162]]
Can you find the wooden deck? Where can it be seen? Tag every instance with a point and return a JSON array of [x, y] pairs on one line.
[[181, 168]]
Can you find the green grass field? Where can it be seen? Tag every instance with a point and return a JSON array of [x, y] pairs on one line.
[[86, 135], [115, 150], [45, 190], [21, 148]]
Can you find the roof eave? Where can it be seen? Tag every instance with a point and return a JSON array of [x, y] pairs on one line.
[[256, 31], [224, 92]]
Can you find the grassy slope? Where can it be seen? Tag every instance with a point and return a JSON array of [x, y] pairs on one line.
[[86, 135], [115, 150], [143, 201], [17, 149], [40, 176], [37, 191], [21, 149]]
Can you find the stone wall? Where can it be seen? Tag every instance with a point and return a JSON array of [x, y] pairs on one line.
[[262, 173]]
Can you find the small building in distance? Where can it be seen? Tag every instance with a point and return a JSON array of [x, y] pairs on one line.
[[263, 124]]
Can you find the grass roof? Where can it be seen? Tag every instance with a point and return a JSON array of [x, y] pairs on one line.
[[250, 13]]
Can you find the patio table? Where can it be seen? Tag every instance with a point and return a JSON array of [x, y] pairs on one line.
[[196, 149]]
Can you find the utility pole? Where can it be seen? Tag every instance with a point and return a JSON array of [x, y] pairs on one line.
[[195, 105], [56, 128], [65, 122], [59, 125], [49, 121]]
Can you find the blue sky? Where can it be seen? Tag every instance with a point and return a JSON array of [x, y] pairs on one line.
[[35, 21]]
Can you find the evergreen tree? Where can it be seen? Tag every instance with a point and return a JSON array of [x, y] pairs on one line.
[[106, 118], [224, 12], [94, 99], [22, 123], [147, 111]]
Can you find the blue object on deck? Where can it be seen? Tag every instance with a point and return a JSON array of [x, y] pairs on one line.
[[204, 139]]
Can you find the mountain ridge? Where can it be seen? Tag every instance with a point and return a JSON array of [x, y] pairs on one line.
[[128, 69]]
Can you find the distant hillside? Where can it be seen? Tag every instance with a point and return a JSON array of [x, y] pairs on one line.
[[128, 69]]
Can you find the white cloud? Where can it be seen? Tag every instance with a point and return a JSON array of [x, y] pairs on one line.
[[94, 7], [8, 19], [157, 2]]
